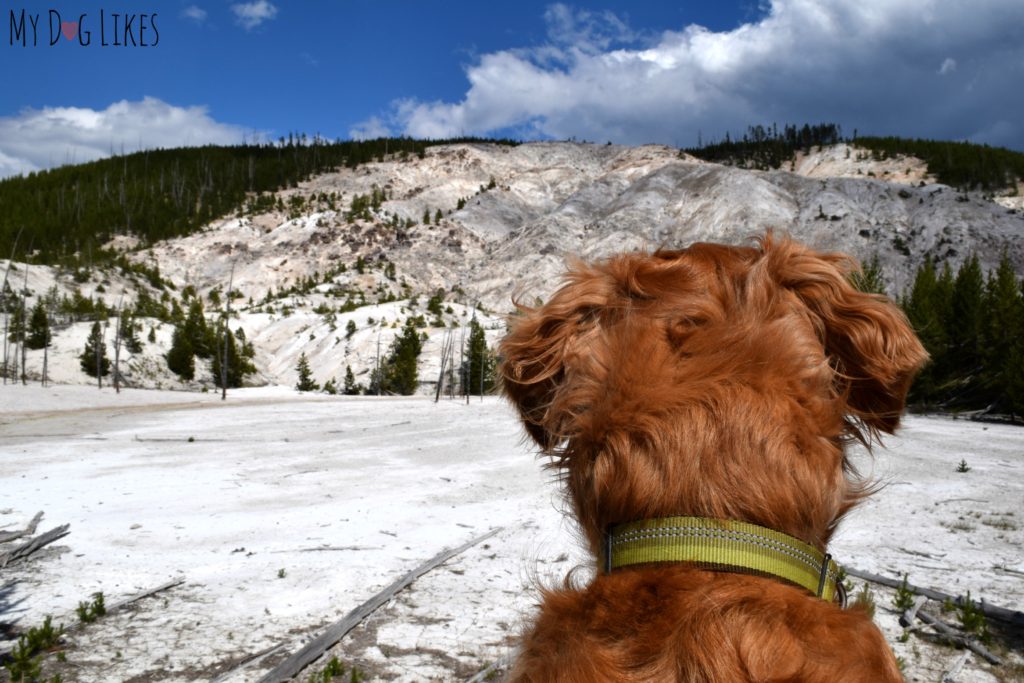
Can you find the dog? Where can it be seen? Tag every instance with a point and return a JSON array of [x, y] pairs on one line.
[[714, 386]]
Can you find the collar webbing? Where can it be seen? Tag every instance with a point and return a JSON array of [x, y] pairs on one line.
[[723, 544]]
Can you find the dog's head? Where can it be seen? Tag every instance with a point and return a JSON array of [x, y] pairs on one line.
[[715, 381]]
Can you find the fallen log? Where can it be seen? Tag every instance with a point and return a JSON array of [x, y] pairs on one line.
[[316, 647], [8, 536], [959, 638], [26, 549], [909, 614], [989, 610], [145, 594]]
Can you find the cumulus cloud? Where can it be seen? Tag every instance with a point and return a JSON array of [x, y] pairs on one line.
[[195, 13], [583, 30], [865, 64], [252, 14], [372, 128], [41, 138]]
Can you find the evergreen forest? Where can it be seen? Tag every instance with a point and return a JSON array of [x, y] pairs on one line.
[[63, 216]]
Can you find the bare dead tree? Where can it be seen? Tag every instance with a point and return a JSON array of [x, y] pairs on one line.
[[225, 334], [98, 352], [7, 345], [451, 369], [463, 370], [3, 297], [117, 349], [445, 349], [46, 345], [380, 380], [24, 326]]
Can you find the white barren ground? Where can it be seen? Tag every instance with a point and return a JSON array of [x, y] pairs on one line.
[[283, 512]]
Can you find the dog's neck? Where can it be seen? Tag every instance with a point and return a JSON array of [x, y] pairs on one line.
[[724, 545]]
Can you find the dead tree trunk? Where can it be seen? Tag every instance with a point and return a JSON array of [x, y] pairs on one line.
[[7, 319], [100, 342], [444, 362], [463, 370], [24, 326], [26, 549], [7, 315], [46, 349], [307, 655], [117, 352], [225, 333]]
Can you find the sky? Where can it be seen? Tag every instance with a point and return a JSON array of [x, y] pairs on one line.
[[81, 82]]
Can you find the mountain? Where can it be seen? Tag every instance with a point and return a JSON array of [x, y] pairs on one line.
[[478, 223]]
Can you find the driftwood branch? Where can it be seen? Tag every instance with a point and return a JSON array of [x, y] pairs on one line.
[[949, 676], [1007, 615], [315, 648], [8, 536], [957, 637], [26, 549], [909, 614]]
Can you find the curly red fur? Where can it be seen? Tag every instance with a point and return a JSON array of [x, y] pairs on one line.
[[717, 382]]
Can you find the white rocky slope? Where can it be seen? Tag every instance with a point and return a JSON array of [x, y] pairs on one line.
[[553, 200], [524, 211]]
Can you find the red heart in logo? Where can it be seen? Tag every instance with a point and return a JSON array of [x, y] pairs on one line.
[[69, 29]]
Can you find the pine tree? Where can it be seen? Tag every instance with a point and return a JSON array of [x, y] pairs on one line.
[[400, 373], [351, 388], [95, 354], [1003, 330], [924, 311], [239, 365], [199, 334], [39, 335], [480, 361], [16, 324], [130, 333], [1014, 367], [305, 382], [180, 358], [965, 332]]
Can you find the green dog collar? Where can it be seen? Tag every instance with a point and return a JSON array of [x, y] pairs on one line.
[[725, 545]]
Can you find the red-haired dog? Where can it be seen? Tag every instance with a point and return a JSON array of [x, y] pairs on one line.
[[697, 403]]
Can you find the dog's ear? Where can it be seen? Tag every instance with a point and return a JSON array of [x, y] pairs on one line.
[[542, 348], [868, 339]]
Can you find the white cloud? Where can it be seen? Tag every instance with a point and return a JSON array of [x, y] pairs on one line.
[[865, 64], [42, 138], [252, 14], [367, 130], [585, 30], [195, 13]]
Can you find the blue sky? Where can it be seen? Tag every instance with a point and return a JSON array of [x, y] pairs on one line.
[[226, 70]]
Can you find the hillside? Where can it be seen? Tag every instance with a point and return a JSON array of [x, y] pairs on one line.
[[479, 223]]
